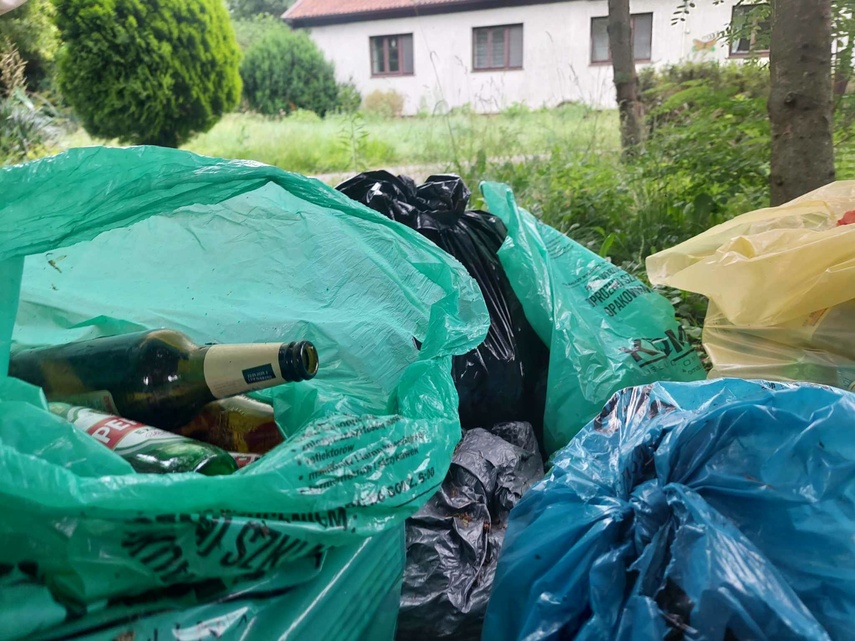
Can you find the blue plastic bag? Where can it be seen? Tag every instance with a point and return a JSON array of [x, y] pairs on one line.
[[714, 510]]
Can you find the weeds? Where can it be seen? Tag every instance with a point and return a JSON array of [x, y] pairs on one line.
[[28, 123]]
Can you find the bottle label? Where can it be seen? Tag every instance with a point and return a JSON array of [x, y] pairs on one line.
[[119, 434], [243, 459], [235, 369]]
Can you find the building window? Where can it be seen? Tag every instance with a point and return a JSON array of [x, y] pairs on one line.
[[751, 27], [497, 47], [641, 29], [392, 55]]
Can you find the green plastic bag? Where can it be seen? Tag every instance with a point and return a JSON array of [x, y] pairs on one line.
[[353, 598], [606, 330], [228, 251]]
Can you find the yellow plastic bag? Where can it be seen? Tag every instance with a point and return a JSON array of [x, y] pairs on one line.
[[781, 284]]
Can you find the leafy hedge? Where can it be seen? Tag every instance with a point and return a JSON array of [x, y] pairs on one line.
[[148, 73]]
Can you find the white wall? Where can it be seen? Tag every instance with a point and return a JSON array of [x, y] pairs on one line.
[[556, 53]]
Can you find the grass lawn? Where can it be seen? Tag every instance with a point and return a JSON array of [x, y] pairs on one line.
[[309, 145]]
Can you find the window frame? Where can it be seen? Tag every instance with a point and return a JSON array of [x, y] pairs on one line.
[[401, 56], [507, 56], [632, 18], [745, 54]]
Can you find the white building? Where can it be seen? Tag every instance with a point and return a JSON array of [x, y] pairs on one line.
[[491, 54]]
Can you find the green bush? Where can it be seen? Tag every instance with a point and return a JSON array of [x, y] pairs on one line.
[[349, 99], [283, 71], [30, 29], [709, 139], [148, 73], [383, 104], [248, 31], [242, 9]]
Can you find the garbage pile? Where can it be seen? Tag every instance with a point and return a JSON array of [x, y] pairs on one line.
[[104, 248], [241, 404], [567, 329], [504, 378]]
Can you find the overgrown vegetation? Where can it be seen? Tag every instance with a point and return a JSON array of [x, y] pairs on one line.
[[30, 29], [383, 104], [242, 9], [148, 74], [706, 157], [284, 71], [248, 31], [28, 123]]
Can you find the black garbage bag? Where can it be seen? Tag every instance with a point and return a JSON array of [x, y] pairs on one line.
[[504, 379], [453, 542]]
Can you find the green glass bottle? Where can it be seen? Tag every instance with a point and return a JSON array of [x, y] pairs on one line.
[[160, 378], [148, 449]]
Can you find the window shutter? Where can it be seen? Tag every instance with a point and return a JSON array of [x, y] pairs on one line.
[[642, 36], [407, 53], [497, 49], [515, 60], [481, 39], [377, 63], [599, 40]]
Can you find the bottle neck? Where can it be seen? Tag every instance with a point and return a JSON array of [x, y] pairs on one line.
[[236, 369]]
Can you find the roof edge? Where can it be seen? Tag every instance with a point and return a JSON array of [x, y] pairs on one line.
[[408, 12]]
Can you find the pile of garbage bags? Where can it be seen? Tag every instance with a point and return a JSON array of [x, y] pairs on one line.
[[103, 241], [464, 353], [567, 329]]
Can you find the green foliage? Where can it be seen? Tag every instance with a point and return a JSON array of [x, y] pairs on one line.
[[383, 104], [28, 124], [706, 160], [283, 71], [148, 73], [248, 31], [709, 139], [354, 138], [242, 9], [27, 127], [349, 99], [30, 28]]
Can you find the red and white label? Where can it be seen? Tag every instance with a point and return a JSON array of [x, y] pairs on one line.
[[117, 433], [243, 460], [112, 430]]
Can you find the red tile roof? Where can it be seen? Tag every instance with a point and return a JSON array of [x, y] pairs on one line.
[[327, 8], [315, 12]]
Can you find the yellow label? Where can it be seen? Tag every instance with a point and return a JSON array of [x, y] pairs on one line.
[[235, 369]]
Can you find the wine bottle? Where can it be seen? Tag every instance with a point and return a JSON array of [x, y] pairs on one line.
[[160, 378], [237, 424], [146, 448]]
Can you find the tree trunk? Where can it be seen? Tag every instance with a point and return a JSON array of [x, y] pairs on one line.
[[626, 80], [800, 102]]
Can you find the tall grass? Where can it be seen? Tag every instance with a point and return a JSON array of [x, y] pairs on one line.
[[306, 144]]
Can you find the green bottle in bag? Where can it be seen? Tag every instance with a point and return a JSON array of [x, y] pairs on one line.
[[147, 449], [160, 378]]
